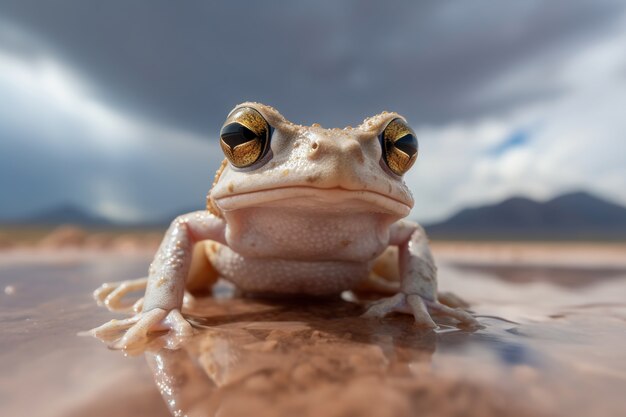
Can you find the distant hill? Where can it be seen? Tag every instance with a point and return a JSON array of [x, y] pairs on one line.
[[71, 214], [63, 214], [578, 215]]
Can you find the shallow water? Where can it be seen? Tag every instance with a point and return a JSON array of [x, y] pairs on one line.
[[553, 344]]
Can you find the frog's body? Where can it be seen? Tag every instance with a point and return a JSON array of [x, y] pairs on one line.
[[313, 250], [296, 210]]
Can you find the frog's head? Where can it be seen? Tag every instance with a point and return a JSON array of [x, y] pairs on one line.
[[271, 162]]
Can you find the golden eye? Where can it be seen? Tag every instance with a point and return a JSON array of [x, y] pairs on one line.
[[244, 138], [399, 146]]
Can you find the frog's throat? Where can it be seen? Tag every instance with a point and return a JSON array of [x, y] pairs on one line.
[[332, 199]]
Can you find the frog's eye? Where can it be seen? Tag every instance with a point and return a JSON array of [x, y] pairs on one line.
[[244, 138], [399, 146]]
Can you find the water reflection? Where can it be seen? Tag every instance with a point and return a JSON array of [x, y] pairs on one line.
[[566, 356], [252, 357], [304, 357]]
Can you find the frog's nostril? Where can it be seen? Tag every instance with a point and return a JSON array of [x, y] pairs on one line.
[[315, 151]]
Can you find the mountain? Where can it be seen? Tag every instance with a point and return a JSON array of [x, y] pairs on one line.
[[63, 214], [71, 214], [578, 215]]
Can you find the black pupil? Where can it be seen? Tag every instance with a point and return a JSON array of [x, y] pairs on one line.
[[235, 134], [407, 144]]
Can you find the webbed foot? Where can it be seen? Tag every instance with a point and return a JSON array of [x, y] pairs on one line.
[[420, 308]]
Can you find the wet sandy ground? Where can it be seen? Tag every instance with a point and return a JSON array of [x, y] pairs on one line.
[[553, 344]]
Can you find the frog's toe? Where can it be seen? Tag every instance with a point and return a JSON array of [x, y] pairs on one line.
[[111, 294], [421, 309], [452, 300], [137, 338], [461, 315], [102, 292], [112, 330], [402, 303], [178, 324], [138, 306], [135, 334], [381, 308]]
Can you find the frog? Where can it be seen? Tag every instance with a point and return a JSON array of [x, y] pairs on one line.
[[295, 210]]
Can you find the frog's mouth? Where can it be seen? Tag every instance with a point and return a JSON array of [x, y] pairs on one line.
[[303, 197]]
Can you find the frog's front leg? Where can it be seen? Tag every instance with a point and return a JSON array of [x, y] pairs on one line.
[[166, 281], [418, 273]]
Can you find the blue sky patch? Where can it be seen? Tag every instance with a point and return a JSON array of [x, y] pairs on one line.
[[515, 139]]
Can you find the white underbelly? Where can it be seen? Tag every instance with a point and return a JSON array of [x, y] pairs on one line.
[[271, 275], [307, 235]]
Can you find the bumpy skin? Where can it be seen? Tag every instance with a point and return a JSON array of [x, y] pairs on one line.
[[311, 218]]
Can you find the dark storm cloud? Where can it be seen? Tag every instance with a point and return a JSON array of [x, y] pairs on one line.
[[107, 104], [326, 61]]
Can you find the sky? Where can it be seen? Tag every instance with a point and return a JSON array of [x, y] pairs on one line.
[[116, 106]]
